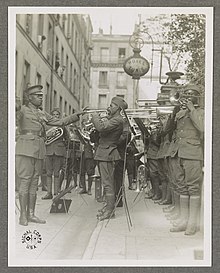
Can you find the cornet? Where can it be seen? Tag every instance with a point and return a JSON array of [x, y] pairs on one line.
[[181, 99]]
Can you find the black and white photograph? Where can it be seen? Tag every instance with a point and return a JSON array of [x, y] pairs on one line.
[[110, 136]]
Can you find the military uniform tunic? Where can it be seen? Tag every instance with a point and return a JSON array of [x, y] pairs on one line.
[[30, 147], [106, 154], [188, 151]]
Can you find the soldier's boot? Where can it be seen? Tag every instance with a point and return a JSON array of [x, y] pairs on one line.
[[23, 199], [61, 177], [175, 213], [184, 214], [194, 206], [31, 209], [44, 182], [101, 211], [131, 185], [90, 179], [109, 210], [167, 199], [164, 192], [156, 183], [49, 189], [75, 179], [171, 206], [56, 185], [83, 184], [68, 179]]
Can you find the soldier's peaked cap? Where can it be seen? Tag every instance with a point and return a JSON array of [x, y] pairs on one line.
[[192, 87], [120, 102], [35, 89]]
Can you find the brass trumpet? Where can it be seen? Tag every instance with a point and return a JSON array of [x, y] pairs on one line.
[[180, 99]]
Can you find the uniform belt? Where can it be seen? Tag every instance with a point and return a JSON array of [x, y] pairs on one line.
[[31, 132]]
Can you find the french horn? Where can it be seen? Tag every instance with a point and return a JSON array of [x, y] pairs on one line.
[[53, 134]]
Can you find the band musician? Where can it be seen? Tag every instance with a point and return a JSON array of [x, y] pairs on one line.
[[55, 154], [110, 130], [30, 149]]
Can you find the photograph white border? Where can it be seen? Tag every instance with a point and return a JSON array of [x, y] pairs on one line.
[[12, 11]]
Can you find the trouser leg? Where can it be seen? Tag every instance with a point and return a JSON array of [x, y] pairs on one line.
[[194, 206], [23, 199], [83, 184], [156, 187], [90, 179], [56, 185], [44, 182], [75, 179], [107, 177], [31, 210], [184, 214], [175, 213], [49, 194], [118, 180]]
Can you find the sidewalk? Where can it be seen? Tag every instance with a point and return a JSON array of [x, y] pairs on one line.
[[148, 241], [78, 238]]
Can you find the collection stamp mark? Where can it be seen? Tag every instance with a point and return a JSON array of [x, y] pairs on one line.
[[31, 239]]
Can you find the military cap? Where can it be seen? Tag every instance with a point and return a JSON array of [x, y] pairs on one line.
[[35, 89], [120, 102], [192, 87]]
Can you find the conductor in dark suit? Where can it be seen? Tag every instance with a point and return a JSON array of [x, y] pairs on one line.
[[110, 130]]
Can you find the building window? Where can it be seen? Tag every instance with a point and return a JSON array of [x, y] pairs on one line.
[[64, 18], [26, 79], [40, 24], [68, 29], [102, 102], [47, 98], [28, 24], [61, 104], [62, 66], [54, 99], [71, 76], [121, 96], [103, 78], [65, 107], [49, 43], [74, 82], [73, 37], [57, 55], [120, 79], [66, 70], [121, 53], [76, 43], [38, 78], [104, 54]]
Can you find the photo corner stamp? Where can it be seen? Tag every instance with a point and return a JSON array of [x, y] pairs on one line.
[[31, 239]]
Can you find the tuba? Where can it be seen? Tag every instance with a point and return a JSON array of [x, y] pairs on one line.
[[53, 134]]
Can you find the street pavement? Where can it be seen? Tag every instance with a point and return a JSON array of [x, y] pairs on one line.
[[77, 238]]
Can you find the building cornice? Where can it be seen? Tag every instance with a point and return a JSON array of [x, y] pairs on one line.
[[107, 65]]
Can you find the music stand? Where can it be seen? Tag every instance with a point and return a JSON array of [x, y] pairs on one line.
[[145, 133], [121, 193]]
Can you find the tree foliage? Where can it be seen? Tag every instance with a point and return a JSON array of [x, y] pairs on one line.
[[186, 35]]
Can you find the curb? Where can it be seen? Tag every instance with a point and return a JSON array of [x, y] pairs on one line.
[[89, 252]]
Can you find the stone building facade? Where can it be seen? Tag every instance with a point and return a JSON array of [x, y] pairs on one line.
[[54, 50]]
